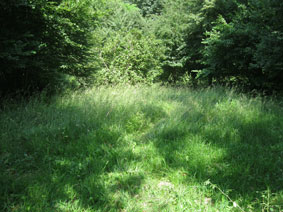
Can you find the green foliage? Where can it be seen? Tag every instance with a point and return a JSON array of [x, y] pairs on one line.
[[41, 40], [132, 58], [226, 51], [170, 27], [127, 52], [246, 47], [19, 41], [235, 42], [182, 26], [47, 43], [148, 7]]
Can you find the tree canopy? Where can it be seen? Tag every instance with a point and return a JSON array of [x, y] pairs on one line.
[[54, 44]]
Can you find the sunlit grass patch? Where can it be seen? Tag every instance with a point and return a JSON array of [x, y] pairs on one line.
[[142, 149]]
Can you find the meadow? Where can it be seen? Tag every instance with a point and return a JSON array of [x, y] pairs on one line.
[[135, 148]]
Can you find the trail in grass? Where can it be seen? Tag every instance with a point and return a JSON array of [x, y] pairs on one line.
[[142, 149]]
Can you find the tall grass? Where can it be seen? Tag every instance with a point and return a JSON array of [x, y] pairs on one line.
[[142, 149]]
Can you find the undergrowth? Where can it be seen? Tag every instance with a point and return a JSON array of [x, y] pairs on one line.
[[142, 149]]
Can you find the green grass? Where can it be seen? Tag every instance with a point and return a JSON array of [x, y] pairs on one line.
[[142, 149]]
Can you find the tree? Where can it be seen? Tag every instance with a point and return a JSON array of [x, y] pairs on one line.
[[148, 7], [247, 48], [43, 42]]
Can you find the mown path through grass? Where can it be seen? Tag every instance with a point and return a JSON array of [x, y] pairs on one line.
[[142, 149]]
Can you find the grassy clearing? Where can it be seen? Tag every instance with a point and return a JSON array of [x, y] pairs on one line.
[[142, 149]]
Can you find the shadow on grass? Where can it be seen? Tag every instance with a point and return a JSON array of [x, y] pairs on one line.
[[76, 158], [76, 162], [237, 151]]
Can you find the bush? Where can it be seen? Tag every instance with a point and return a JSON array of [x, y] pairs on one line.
[[127, 52]]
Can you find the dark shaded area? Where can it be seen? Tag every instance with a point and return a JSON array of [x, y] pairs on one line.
[[42, 45], [66, 152], [253, 151]]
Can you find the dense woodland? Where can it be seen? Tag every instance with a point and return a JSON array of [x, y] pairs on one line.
[[59, 44]]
